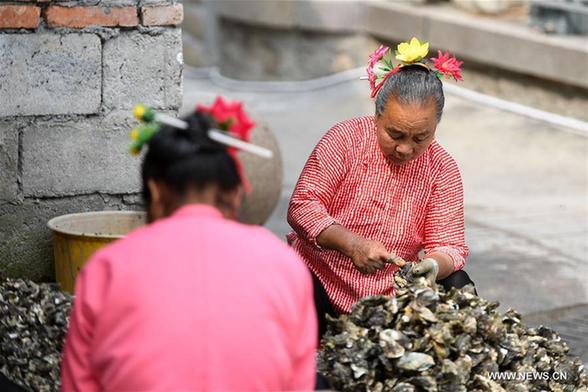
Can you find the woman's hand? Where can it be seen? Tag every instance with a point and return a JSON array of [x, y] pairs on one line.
[[429, 268], [369, 256]]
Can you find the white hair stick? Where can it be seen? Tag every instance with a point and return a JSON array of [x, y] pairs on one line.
[[223, 138], [218, 136], [172, 121]]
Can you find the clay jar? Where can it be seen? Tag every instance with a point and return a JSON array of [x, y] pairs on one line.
[[265, 176]]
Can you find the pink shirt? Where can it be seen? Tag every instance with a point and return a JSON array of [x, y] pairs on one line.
[[193, 302], [348, 180]]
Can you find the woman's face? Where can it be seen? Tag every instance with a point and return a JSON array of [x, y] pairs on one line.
[[406, 130]]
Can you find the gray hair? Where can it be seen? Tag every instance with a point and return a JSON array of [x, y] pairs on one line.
[[412, 84]]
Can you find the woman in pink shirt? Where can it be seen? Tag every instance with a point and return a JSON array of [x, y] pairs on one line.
[[194, 301]]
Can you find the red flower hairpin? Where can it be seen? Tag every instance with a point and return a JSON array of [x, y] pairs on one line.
[[230, 117]]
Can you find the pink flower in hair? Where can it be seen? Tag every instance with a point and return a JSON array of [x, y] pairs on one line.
[[377, 55], [380, 67]]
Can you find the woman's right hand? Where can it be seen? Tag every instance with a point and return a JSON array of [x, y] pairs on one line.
[[368, 256]]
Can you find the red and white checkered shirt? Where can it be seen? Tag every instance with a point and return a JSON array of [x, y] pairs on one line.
[[348, 180]]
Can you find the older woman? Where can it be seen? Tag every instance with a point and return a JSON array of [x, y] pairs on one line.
[[379, 188]]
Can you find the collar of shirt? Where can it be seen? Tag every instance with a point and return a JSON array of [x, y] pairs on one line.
[[200, 210]]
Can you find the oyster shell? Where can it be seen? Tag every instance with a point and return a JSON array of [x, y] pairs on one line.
[[429, 339], [33, 323]]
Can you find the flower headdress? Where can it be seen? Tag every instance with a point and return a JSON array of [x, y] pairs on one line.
[[233, 129], [380, 66]]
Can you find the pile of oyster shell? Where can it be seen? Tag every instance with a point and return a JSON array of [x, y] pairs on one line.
[[426, 339], [33, 323]]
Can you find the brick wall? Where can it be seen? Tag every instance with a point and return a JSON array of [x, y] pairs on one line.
[[70, 73]]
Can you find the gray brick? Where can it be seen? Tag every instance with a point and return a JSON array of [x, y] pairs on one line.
[[8, 160], [77, 157], [49, 74], [143, 68]]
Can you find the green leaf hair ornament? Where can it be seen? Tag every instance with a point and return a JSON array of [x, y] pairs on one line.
[[151, 123], [141, 135]]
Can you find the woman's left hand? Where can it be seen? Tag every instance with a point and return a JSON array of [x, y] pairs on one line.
[[429, 268]]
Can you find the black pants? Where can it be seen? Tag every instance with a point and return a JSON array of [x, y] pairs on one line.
[[323, 304], [8, 386]]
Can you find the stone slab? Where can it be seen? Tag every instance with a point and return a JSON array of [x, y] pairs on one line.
[[195, 52], [314, 15], [143, 68], [8, 160], [527, 52], [331, 16], [71, 157], [195, 19], [278, 14], [445, 27], [400, 23], [263, 53], [45, 74]]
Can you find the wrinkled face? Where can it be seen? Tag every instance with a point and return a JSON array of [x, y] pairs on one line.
[[406, 130]]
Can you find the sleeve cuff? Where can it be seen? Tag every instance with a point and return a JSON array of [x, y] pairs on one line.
[[317, 228], [455, 254]]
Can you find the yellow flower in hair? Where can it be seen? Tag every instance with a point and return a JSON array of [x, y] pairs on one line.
[[139, 112], [412, 52], [135, 134]]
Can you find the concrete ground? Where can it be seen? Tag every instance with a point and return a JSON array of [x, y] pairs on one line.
[[525, 185]]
